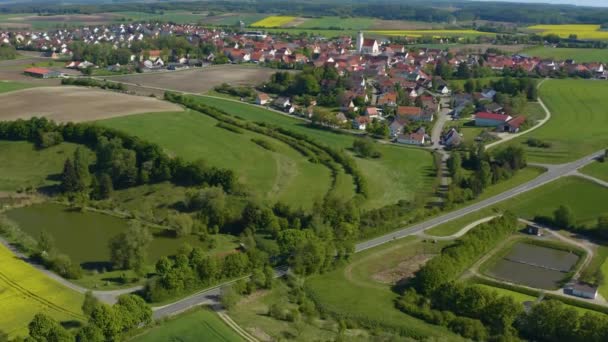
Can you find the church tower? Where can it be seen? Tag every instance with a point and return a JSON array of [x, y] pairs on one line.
[[360, 42]]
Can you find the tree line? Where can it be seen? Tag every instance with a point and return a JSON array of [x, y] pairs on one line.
[[487, 169], [123, 159]]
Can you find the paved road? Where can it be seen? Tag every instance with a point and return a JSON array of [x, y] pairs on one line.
[[552, 174]]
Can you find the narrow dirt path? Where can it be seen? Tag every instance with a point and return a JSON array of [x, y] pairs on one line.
[[538, 124], [232, 324]]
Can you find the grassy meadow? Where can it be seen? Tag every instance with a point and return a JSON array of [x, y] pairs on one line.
[[197, 325], [360, 292], [562, 54], [401, 172], [578, 124], [335, 22], [18, 157], [26, 291], [283, 174], [564, 31], [434, 33], [598, 170], [587, 205]]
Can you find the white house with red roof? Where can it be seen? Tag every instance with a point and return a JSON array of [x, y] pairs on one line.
[[485, 119]]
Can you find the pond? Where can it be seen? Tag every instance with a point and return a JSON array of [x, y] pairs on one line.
[[534, 266], [84, 236]]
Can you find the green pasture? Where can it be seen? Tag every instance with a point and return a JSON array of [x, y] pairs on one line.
[[579, 55], [578, 124], [24, 166], [282, 175], [352, 291], [597, 169], [193, 326], [401, 172], [587, 205]]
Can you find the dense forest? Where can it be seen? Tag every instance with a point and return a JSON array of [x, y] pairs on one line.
[[429, 11]]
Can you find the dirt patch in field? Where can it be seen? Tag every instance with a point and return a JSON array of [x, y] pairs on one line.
[[199, 80], [64, 104], [405, 270]]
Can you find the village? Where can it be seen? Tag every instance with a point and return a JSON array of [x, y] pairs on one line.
[[391, 90]]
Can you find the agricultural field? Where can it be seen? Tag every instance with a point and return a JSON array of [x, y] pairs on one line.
[[562, 54], [592, 32], [274, 21], [598, 170], [197, 325], [16, 171], [587, 205], [578, 124], [373, 273], [26, 291], [283, 174], [200, 80], [434, 33], [401, 172], [337, 22], [44, 22], [75, 104]]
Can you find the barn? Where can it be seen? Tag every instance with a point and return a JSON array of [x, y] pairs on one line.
[[41, 72]]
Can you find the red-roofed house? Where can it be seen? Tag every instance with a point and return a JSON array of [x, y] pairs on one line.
[[514, 124], [485, 119], [262, 99], [414, 113]]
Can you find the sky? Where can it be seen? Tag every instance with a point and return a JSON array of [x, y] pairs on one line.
[[595, 3]]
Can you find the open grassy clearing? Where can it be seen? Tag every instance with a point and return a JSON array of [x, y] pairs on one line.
[[41, 22], [578, 124], [283, 175], [353, 292], [75, 104], [274, 21], [401, 172], [597, 169], [8, 86], [25, 291], [519, 297], [251, 314], [561, 54], [178, 16], [197, 325], [18, 157], [587, 205], [564, 31], [200, 80]]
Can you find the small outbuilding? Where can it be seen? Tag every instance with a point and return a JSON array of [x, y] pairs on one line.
[[581, 290]]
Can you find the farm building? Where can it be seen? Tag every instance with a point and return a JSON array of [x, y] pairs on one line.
[[533, 230], [41, 72], [485, 119], [581, 290], [419, 138], [262, 99]]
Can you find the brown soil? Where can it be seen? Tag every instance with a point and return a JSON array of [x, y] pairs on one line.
[[403, 271], [64, 104], [200, 80]]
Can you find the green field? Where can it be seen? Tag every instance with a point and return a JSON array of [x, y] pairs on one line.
[[578, 124], [282, 175], [354, 291], [193, 326], [343, 23], [587, 205], [18, 159], [401, 172], [519, 297], [561, 54], [598, 170], [25, 291], [7, 86]]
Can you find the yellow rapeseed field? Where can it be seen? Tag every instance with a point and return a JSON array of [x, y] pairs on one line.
[[434, 33], [273, 21], [564, 31], [26, 291]]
